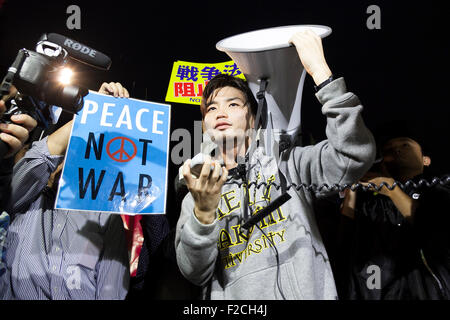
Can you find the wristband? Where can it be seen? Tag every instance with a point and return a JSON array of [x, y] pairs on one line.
[[323, 84]]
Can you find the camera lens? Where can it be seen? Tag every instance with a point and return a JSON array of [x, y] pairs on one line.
[[69, 98], [72, 98]]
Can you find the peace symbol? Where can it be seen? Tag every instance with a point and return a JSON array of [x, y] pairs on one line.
[[120, 155]]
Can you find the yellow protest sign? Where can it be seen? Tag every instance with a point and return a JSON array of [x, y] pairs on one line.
[[189, 78]]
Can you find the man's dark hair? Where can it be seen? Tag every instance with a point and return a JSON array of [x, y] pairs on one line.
[[225, 80]]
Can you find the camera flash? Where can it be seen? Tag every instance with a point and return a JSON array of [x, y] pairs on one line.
[[65, 76]]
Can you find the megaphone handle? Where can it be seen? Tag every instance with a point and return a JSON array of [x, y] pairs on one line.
[[261, 114], [262, 108]]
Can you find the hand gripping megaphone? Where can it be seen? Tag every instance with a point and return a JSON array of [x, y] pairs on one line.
[[273, 69]]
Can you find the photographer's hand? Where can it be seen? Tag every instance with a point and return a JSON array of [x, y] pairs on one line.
[[404, 203], [377, 179], [16, 134], [114, 89], [310, 52]]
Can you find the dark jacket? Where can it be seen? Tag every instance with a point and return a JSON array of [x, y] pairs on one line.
[[413, 258]]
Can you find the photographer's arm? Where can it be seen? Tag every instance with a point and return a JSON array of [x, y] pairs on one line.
[[348, 205], [58, 140], [406, 205], [32, 172]]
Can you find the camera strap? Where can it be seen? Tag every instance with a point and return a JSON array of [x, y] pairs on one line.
[[8, 79]]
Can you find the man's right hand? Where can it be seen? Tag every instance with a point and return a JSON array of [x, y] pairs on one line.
[[206, 189]]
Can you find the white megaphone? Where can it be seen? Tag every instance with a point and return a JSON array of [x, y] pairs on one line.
[[266, 55]]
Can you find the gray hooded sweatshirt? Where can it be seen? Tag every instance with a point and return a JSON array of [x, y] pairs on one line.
[[233, 263]]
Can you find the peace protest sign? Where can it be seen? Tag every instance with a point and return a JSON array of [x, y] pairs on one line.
[[117, 158]]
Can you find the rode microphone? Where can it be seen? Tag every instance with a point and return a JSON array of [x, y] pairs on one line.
[[79, 51]]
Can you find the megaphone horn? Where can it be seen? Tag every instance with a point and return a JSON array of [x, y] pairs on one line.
[[266, 54]]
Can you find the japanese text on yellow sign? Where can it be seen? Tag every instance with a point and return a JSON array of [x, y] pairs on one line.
[[188, 79]]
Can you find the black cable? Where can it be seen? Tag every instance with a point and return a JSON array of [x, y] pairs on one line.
[[337, 187], [277, 257]]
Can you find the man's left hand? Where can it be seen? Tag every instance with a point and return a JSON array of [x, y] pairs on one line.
[[310, 52]]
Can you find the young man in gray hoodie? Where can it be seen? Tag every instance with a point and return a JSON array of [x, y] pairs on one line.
[[282, 256]]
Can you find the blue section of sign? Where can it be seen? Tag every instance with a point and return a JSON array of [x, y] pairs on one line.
[[117, 158]]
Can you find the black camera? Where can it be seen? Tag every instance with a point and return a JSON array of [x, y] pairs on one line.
[[41, 80]]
